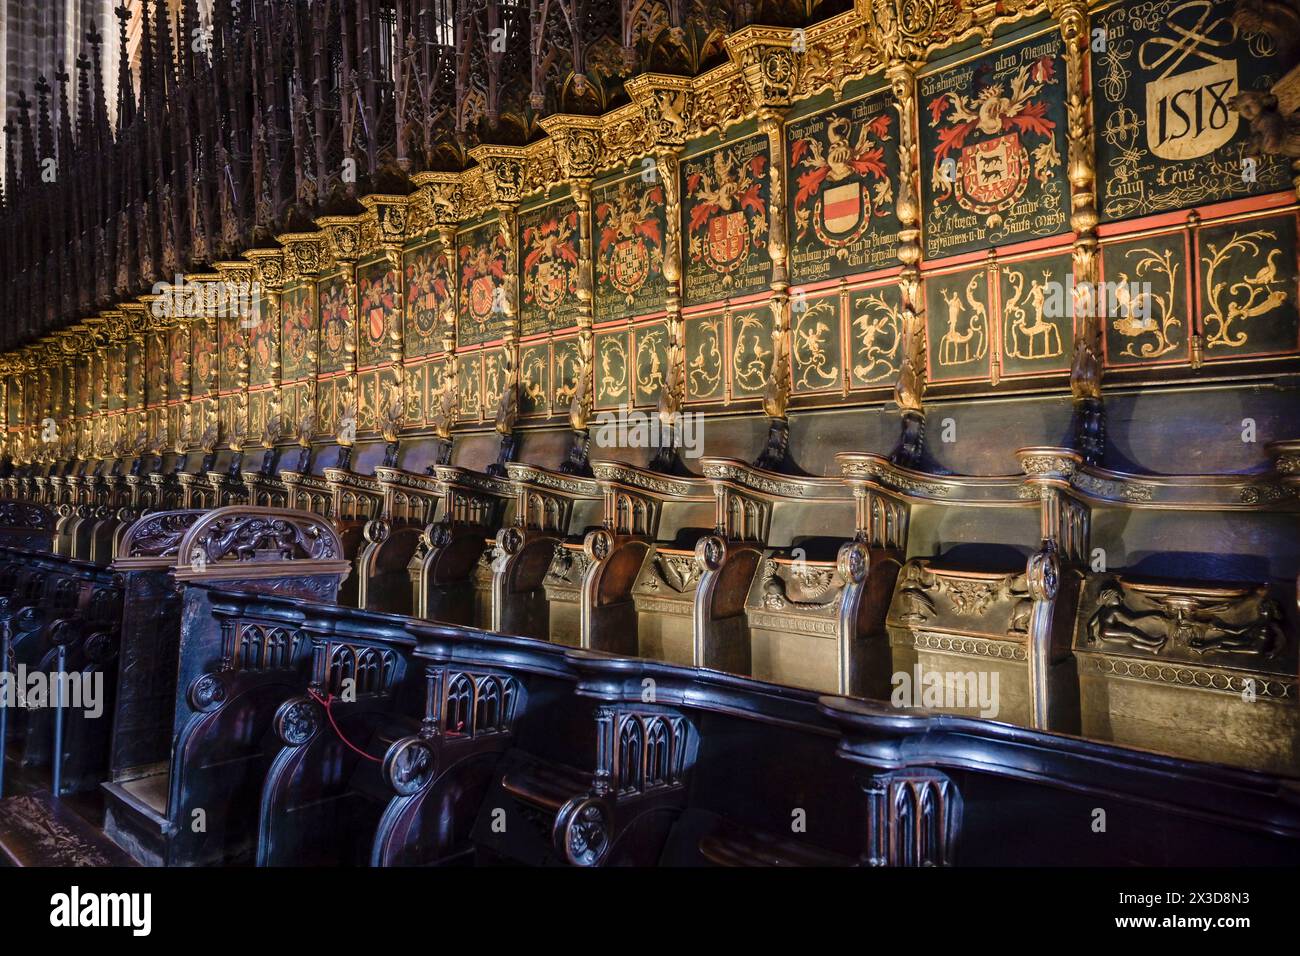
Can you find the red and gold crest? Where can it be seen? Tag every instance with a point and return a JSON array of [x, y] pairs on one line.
[[729, 209], [631, 239], [482, 273], [992, 173], [837, 168], [981, 160], [378, 291], [427, 289], [550, 261]]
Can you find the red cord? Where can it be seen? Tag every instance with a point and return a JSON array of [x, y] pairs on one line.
[[327, 701]]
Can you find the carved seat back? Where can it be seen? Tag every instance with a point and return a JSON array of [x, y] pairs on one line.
[[1206, 671], [550, 508], [354, 500], [390, 540], [197, 493], [940, 618], [265, 491], [26, 525], [639, 600], [939, 786], [772, 596], [960, 627], [444, 568], [322, 795], [197, 700], [308, 493], [151, 631], [693, 767], [62, 617]]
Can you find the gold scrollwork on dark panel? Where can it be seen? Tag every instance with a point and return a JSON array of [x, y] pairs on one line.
[[483, 312], [298, 333], [293, 405], [156, 349], [1247, 287], [469, 385], [705, 340], [613, 369], [327, 406], [725, 220], [428, 296], [651, 365], [413, 388], [548, 267], [993, 141], [534, 379], [751, 351], [816, 355], [494, 376], [257, 410], [875, 336], [957, 325], [228, 414], [568, 365], [843, 166], [379, 303], [1144, 298], [335, 321], [1037, 308], [1167, 135], [629, 237], [370, 399], [433, 373]]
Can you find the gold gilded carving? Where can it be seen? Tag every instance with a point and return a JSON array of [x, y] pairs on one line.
[[577, 144], [928, 599], [1208, 625], [767, 62], [836, 56], [906, 30], [876, 337], [1232, 302], [1147, 321], [909, 391], [1028, 335], [965, 338], [667, 103], [503, 170]]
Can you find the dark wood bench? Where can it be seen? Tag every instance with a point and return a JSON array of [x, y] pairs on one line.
[[193, 720]]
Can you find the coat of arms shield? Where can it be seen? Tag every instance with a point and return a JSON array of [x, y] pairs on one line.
[[992, 174]]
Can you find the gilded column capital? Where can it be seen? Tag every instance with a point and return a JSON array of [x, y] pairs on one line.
[[304, 253], [907, 30], [339, 242], [503, 172], [668, 104], [769, 63], [577, 143], [383, 225], [436, 202], [268, 267]]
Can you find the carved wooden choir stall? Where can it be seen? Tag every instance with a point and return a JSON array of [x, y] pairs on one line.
[[769, 433]]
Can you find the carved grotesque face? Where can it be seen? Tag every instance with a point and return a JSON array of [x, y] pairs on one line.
[[1109, 597]]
